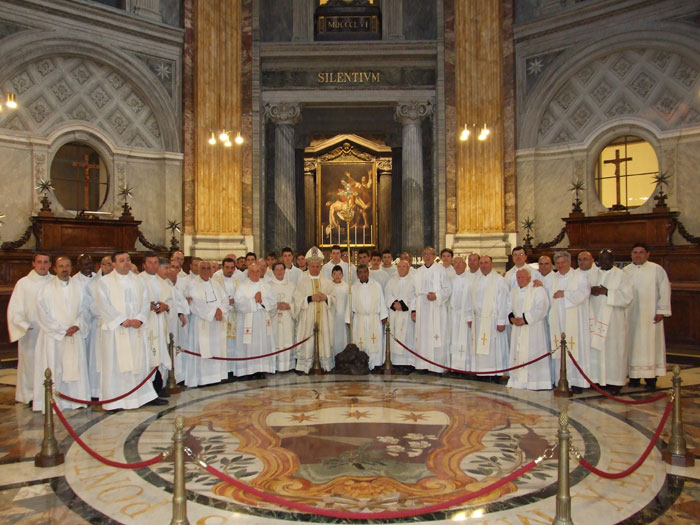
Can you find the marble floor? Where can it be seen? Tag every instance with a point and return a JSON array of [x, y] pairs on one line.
[[364, 444]]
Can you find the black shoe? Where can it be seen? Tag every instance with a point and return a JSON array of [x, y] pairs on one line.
[[577, 390], [163, 393], [650, 385], [635, 382], [158, 402], [614, 389], [31, 404]]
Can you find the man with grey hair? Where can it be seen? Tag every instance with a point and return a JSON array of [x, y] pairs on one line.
[[400, 297], [568, 314], [433, 290], [528, 310]]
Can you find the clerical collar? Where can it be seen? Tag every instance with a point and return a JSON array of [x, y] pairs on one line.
[[428, 265], [315, 276]]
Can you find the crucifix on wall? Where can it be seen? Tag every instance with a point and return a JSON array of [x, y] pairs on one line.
[[617, 161], [86, 166]]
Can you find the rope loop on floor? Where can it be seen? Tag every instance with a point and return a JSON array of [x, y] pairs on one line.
[[190, 352], [105, 401], [133, 466]]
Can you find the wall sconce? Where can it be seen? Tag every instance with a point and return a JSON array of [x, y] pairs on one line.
[[11, 102], [224, 138], [484, 133], [465, 134]]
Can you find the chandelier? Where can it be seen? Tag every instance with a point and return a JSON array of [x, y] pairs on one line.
[[224, 138]]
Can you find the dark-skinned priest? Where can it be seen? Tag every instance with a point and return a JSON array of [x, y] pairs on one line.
[[369, 313]]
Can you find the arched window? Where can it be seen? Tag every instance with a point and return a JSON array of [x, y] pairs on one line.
[[79, 177], [625, 173]]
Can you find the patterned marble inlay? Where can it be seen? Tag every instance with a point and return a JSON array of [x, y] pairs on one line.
[[354, 443]]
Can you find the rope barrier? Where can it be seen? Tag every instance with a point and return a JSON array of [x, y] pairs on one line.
[[190, 352], [270, 498], [615, 398], [105, 401], [147, 463], [617, 475], [473, 372]]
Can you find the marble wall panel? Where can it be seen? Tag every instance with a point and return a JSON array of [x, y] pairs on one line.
[[686, 186], [17, 195]]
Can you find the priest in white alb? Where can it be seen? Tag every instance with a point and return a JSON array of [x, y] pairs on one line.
[[462, 316], [88, 278], [490, 306], [314, 300], [569, 314], [209, 307], [528, 337], [400, 298], [433, 290], [651, 303], [369, 313], [124, 357], [60, 346], [255, 303], [160, 296], [229, 278], [283, 316], [22, 323], [611, 295], [178, 315], [459, 283]]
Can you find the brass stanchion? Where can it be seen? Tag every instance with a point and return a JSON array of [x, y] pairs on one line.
[[388, 367], [171, 386], [179, 494], [49, 455], [316, 367], [676, 452], [562, 389], [563, 509]]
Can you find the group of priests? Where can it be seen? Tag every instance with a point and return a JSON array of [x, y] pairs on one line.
[[107, 333]]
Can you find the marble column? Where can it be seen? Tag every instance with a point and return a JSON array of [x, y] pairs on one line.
[[303, 20], [411, 115], [384, 170], [284, 116]]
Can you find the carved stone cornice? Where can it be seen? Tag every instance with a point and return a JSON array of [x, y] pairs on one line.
[[310, 165], [384, 165], [413, 112], [283, 113], [346, 152]]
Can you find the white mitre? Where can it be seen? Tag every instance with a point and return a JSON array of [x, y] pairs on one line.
[[314, 255]]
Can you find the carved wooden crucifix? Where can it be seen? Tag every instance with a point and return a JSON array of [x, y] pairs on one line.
[[617, 161], [85, 165]]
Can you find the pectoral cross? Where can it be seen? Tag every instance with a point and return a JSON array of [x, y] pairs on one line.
[[374, 339], [617, 161], [437, 337], [483, 338], [556, 341], [572, 343], [85, 165]]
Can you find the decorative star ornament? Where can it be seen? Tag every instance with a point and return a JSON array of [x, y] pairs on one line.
[[173, 226], [662, 179], [577, 186], [528, 224], [126, 191], [44, 186]]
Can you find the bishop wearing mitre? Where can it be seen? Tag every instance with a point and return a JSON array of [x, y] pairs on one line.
[[314, 300]]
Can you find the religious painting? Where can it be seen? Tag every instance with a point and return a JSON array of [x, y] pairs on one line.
[[347, 187]]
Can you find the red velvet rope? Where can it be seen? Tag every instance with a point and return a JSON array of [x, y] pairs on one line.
[[247, 358], [614, 398], [617, 475], [367, 515], [98, 457], [472, 372], [105, 401]]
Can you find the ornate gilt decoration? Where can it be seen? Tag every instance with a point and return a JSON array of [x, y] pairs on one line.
[[346, 152]]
